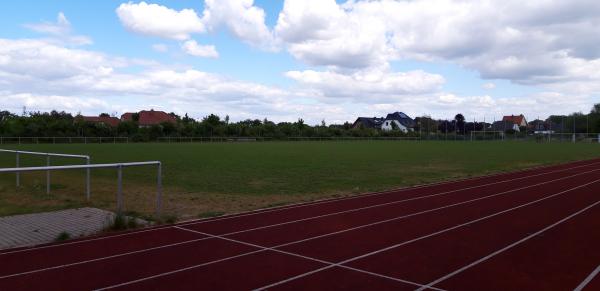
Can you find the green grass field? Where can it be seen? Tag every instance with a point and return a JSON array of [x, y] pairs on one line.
[[211, 179]]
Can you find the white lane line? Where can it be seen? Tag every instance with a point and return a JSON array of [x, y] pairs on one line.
[[260, 249], [306, 239], [443, 278], [104, 258], [434, 234], [588, 279], [325, 201]]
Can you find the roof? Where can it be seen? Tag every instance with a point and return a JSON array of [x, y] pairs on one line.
[[369, 122], [503, 125], [515, 119], [155, 117], [112, 121], [402, 118], [128, 116]]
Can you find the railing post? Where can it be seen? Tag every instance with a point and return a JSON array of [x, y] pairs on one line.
[[48, 175], [18, 173], [87, 180], [119, 189], [159, 190]]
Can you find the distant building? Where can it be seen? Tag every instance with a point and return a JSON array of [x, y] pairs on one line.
[[401, 121], [148, 118], [505, 126], [368, 122], [519, 120], [106, 120], [542, 127], [397, 120]]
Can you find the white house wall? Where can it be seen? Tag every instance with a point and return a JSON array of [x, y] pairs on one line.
[[387, 126]]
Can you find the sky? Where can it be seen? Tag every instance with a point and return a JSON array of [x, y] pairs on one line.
[[311, 59]]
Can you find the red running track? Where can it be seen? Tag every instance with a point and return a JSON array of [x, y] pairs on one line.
[[528, 230]]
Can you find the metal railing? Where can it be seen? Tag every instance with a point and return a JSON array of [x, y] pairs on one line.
[[48, 155], [118, 166]]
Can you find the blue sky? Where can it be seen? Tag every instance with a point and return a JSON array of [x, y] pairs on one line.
[[306, 59]]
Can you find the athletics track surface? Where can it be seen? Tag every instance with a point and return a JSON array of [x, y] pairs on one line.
[[537, 229]]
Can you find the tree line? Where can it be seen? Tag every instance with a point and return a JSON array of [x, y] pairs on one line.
[[63, 124]]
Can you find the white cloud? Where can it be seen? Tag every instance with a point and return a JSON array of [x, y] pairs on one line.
[[191, 47], [488, 86], [160, 47], [242, 18], [533, 43], [369, 86], [160, 21], [61, 29]]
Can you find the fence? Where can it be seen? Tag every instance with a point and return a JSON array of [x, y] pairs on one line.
[[118, 166], [180, 139], [48, 155], [58, 139]]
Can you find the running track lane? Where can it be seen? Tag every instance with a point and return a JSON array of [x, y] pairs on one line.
[[559, 259], [195, 277], [28, 260], [443, 186], [411, 210], [427, 260]]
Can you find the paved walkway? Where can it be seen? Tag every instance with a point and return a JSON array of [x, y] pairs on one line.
[[33, 229]]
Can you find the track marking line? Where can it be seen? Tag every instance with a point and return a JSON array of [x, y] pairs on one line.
[[483, 259], [436, 233], [401, 201], [588, 279], [104, 258], [260, 249], [325, 201], [298, 241]]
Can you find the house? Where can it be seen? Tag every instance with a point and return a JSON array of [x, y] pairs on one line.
[[368, 122], [399, 121], [102, 119], [147, 118], [519, 120], [505, 126], [542, 127]]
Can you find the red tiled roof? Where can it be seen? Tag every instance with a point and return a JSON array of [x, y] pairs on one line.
[[514, 119], [128, 116], [155, 117], [112, 121]]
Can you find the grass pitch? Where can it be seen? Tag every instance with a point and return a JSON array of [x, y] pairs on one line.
[[204, 180]]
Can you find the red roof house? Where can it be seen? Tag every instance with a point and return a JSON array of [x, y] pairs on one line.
[[519, 120], [150, 117], [127, 116], [107, 120]]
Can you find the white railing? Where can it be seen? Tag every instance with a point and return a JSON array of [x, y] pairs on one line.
[[118, 166], [48, 155]]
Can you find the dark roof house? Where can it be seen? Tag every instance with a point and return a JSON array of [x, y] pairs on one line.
[[368, 122], [504, 126], [402, 119]]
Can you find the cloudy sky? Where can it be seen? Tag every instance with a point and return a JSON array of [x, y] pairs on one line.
[[315, 59]]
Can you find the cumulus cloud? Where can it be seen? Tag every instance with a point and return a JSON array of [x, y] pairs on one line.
[[533, 43], [243, 19], [191, 47], [369, 85], [61, 29], [160, 21]]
